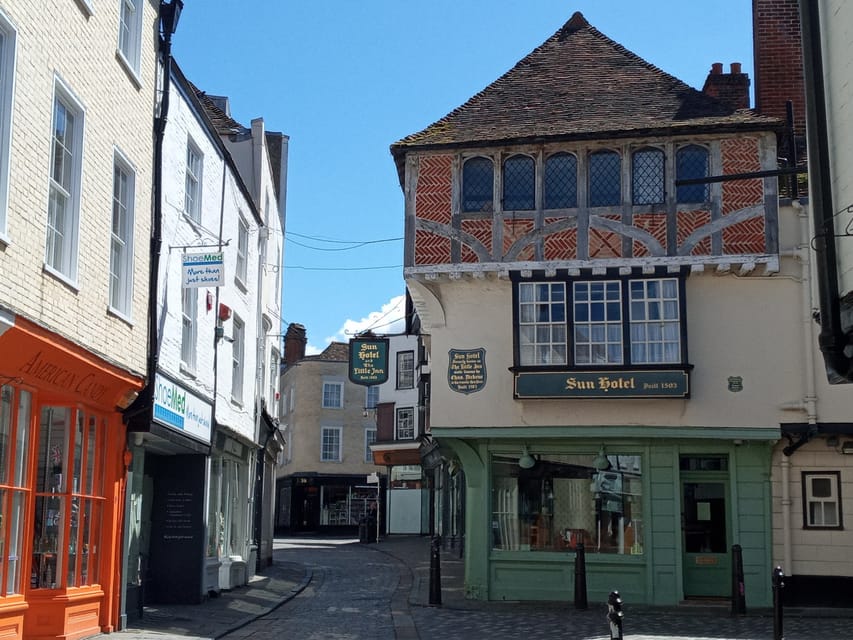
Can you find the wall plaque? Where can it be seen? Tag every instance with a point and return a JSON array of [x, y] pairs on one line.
[[466, 370]]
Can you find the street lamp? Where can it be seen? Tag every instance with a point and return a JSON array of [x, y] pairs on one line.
[[170, 13]]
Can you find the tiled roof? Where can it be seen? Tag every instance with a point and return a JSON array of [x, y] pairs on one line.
[[335, 352], [224, 123], [580, 84]]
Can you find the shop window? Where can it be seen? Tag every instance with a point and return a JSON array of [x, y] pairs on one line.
[[405, 424], [603, 323], [691, 162], [605, 179], [477, 184], [822, 500], [561, 181], [647, 176], [15, 411], [566, 499], [519, 183], [68, 499], [227, 513], [342, 505]]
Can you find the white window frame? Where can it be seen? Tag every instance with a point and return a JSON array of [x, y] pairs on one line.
[[274, 382], [242, 266], [404, 424], [194, 171], [339, 436], [601, 335], [371, 396], [816, 508], [61, 240], [542, 340], [325, 395], [8, 49], [189, 328], [130, 33], [663, 332], [369, 438], [405, 369], [121, 237], [238, 358]]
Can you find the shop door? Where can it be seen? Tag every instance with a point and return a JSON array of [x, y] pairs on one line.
[[705, 536]]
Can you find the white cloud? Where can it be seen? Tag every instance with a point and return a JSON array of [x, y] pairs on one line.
[[389, 319]]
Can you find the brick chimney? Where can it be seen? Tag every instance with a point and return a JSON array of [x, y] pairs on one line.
[[778, 52], [732, 88], [294, 343]]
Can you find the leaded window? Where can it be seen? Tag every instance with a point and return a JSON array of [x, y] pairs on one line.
[[561, 181], [605, 179], [519, 183], [647, 176], [691, 162], [598, 322], [477, 184]]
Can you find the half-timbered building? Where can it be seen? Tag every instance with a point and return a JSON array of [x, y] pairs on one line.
[[598, 256]]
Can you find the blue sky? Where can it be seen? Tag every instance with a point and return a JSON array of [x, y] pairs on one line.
[[347, 78]]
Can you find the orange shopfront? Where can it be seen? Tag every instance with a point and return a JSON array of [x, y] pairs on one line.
[[62, 480]]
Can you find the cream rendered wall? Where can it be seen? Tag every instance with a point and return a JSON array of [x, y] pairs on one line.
[[748, 326], [837, 30], [58, 38], [305, 420]]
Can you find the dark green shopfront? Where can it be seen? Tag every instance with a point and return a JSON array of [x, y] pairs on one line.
[[658, 511]]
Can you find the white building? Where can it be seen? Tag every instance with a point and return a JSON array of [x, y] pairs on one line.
[[77, 85]]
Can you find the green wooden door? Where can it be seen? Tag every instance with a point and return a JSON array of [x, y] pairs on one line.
[[705, 535]]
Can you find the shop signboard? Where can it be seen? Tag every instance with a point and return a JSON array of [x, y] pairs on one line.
[[178, 408], [368, 360], [602, 384]]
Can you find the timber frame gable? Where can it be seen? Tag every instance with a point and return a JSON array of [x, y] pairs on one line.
[[735, 228]]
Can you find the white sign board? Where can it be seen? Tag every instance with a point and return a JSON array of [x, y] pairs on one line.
[[203, 270], [373, 478], [180, 409]]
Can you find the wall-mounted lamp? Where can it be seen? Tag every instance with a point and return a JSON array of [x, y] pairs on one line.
[[600, 461], [170, 13], [526, 461], [847, 447]]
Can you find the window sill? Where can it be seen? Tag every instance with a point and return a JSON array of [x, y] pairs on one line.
[[118, 315], [187, 371], [70, 283], [86, 7], [132, 73]]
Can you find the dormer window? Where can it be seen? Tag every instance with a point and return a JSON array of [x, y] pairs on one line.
[[477, 184], [519, 182], [605, 179]]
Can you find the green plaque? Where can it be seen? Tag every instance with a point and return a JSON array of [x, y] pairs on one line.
[[602, 384], [368, 361], [466, 370]]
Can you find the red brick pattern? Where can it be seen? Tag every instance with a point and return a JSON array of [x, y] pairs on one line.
[[744, 237], [653, 223], [433, 196], [603, 243], [480, 229], [740, 155], [513, 230], [687, 223], [562, 245], [431, 249]]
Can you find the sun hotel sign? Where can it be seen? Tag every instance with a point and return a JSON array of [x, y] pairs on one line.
[[368, 360]]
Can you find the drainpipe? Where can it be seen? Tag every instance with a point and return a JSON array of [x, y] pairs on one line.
[[832, 339]]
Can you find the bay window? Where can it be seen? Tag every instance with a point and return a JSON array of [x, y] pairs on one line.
[[599, 322]]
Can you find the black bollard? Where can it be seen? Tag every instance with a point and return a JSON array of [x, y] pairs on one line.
[[615, 615], [580, 578], [738, 591], [778, 585], [435, 572]]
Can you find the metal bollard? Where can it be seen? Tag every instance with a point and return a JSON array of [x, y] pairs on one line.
[[778, 585], [435, 572], [580, 578], [738, 591], [615, 615]]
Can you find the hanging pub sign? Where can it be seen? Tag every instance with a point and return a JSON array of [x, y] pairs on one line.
[[203, 270], [603, 384], [466, 370], [368, 360]]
